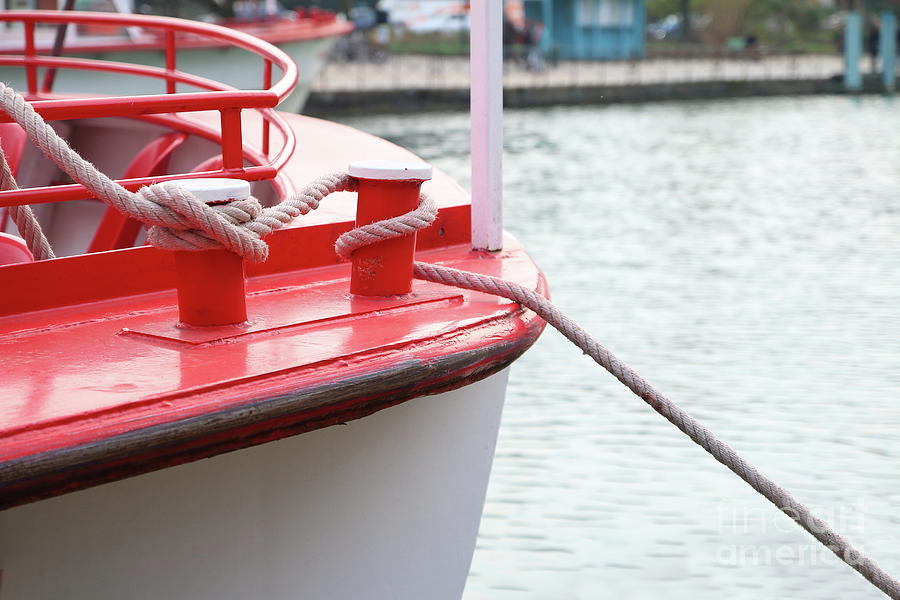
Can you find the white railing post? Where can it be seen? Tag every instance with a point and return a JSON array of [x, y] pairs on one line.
[[486, 69]]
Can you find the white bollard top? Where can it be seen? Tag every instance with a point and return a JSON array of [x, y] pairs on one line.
[[389, 170], [216, 189]]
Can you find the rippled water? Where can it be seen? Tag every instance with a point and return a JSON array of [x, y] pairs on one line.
[[745, 257]]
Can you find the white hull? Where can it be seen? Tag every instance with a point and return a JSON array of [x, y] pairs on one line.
[[229, 65], [386, 507]]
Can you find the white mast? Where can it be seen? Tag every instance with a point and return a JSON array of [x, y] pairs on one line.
[[486, 68]]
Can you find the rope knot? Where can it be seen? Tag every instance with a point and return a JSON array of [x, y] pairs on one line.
[[379, 231], [186, 223]]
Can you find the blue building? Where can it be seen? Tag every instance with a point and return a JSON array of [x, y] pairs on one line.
[[591, 29]]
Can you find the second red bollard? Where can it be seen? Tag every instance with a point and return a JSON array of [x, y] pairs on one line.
[[386, 189]]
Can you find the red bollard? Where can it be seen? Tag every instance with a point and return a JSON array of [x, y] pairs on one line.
[[386, 189], [211, 282]]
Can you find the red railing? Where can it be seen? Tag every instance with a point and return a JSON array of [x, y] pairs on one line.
[[172, 34]]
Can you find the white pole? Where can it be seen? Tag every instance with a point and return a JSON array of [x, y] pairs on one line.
[[486, 69]]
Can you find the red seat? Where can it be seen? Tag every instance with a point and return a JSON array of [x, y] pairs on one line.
[[213, 163], [115, 229], [13, 250], [12, 139]]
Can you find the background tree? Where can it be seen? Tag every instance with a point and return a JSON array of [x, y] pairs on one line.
[[685, 20], [782, 22]]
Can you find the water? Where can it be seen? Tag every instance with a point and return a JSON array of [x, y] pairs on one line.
[[744, 256]]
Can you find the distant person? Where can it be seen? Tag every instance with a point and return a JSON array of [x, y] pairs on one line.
[[534, 57], [751, 46], [382, 15], [381, 34], [363, 17], [873, 43], [510, 38]]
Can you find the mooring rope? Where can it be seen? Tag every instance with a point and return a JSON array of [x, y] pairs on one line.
[[696, 431], [722, 452], [23, 217], [420, 217], [183, 222]]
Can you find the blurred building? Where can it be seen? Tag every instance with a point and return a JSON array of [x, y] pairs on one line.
[[590, 29], [567, 29], [428, 16]]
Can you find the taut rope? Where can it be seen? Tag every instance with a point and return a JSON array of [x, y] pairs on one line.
[[699, 434], [182, 222], [722, 452]]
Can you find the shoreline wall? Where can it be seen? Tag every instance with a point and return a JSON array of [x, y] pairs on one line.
[[336, 103]]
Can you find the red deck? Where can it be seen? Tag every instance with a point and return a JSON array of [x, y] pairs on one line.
[[99, 384]]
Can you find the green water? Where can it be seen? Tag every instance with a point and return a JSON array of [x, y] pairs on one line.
[[745, 257]]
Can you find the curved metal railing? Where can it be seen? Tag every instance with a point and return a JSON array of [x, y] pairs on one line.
[[169, 35]]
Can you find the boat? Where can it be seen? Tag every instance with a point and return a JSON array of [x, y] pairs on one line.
[[192, 425], [305, 35]]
